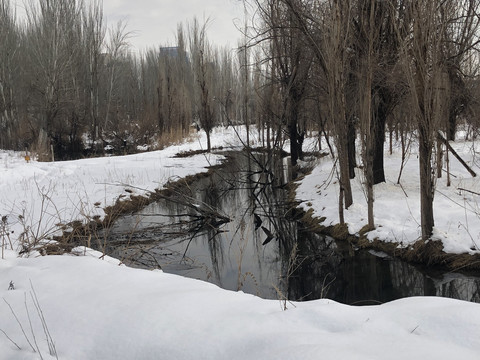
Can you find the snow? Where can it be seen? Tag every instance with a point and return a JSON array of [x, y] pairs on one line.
[[95, 308], [397, 206]]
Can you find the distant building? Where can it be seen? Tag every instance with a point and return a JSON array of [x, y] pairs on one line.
[[170, 51], [173, 52]]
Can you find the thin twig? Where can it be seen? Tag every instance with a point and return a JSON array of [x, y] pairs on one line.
[[470, 191], [13, 342], [51, 344], [31, 327], [20, 324]]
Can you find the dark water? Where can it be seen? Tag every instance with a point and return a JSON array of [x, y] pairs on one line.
[[276, 259]]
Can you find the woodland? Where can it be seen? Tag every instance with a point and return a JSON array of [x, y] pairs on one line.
[[351, 70]]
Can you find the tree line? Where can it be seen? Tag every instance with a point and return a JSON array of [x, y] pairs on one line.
[[360, 69], [70, 86]]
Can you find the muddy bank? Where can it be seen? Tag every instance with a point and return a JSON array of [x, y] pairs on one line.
[[427, 253]]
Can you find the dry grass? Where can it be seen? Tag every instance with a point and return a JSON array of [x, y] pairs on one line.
[[174, 136], [339, 232]]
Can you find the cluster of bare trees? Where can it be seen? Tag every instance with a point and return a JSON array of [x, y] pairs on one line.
[[352, 69], [356, 69], [71, 87]]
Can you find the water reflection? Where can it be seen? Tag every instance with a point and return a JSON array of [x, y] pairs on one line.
[[263, 251]]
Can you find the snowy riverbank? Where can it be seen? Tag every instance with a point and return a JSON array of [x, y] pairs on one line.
[[96, 309], [397, 205]]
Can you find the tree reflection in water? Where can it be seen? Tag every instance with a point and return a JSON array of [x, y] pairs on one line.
[[293, 263]]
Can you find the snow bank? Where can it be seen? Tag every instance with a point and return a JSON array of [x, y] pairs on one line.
[[96, 309], [397, 206]]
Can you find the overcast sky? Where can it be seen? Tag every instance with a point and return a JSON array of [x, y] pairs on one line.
[[155, 21]]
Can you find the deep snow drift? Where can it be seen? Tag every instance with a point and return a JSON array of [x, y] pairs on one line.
[[95, 309]]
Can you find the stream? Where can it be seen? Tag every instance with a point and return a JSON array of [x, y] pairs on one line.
[[264, 250]]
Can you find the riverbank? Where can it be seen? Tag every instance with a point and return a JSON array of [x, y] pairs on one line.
[[89, 306], [455, 243]]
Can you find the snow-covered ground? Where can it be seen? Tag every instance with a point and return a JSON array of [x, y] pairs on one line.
[[397, 206], [95, 309]]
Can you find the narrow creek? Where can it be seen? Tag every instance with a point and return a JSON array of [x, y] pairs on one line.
[[264, 250]]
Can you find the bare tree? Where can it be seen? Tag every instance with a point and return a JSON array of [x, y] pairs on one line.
[[94, 39], [387, 84], [425, 69], [204, 70], [116, 52], [243, 57], [9, 40], [184, 82], [460, 46], [50, 37], [335, 35], [327, 29], [292, 61], [369, 33]]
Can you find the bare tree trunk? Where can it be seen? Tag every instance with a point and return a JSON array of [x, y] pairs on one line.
[[426, 184], [246, 83], [342, 142], [338, 40], [447, 160], [94, 34]]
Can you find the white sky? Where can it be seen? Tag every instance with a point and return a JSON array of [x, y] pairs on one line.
[[155, 21]]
